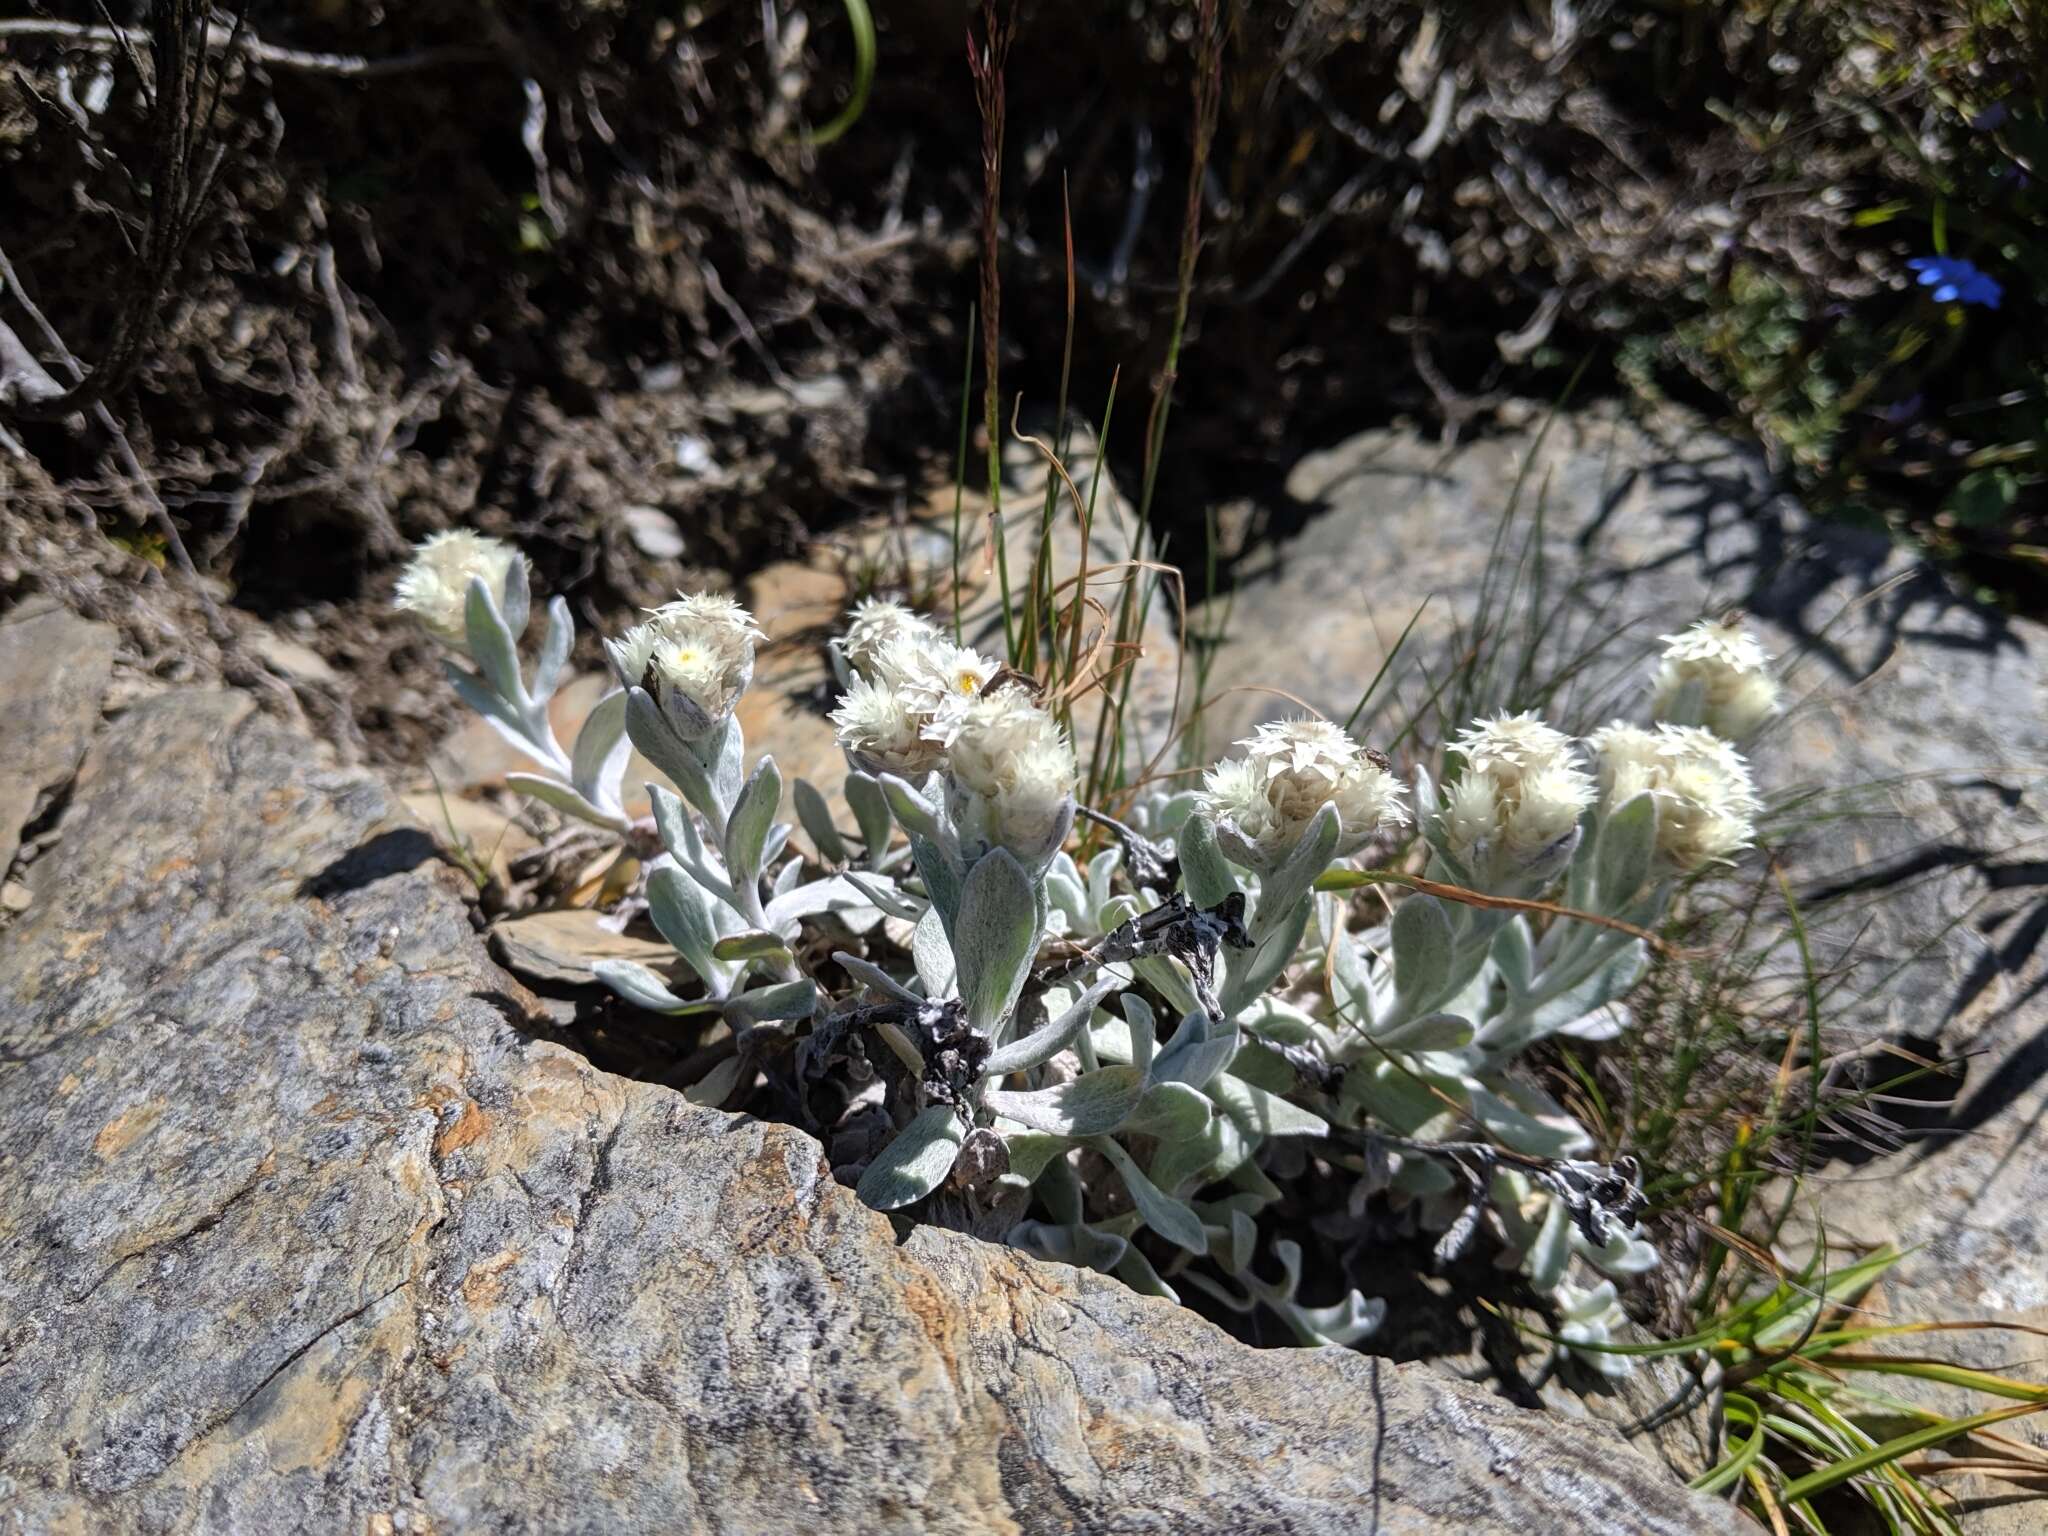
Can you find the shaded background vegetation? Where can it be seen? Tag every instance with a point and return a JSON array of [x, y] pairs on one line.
[[533, 265]]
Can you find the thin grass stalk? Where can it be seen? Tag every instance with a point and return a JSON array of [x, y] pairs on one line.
[[960, 464], [987, 66], [1208, 98]]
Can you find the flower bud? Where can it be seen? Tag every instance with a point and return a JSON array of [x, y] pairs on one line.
[[1263, 802], [881, 732], [877, 626], [695, 656], [1718, 676], [1511, 818], [1010, 778], [434, 587], [1706, 803]]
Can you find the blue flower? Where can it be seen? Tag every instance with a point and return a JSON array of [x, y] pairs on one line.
[[1956, 281]]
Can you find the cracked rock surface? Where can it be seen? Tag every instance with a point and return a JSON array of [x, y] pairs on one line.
[[301, 1230]]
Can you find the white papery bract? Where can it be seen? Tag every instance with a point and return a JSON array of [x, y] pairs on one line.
[[1715, 674], [876, 627], [695, 656], [1706, 803], [1512, 815], [1292, 769], [1010, 777], [881, 731], [434, 587]]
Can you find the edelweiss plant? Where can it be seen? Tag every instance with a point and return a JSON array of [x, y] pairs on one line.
[[1073, 1057]]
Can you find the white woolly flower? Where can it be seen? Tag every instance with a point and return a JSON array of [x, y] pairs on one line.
[[695, 655], [1706, 802], [1717, 675], [877, 626], [1512, 816], [1010, 777], [881, 732], [938, 679], [434, 588], [1263, 802]]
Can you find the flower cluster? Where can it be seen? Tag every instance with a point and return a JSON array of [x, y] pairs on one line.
[[1512, 815], [909, 690], [1706, 802], [1717, 675], [1264, 801], [1010, 776], [434, 587], [695, 656]]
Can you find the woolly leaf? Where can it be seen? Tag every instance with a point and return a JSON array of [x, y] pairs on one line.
[[916, 1162]]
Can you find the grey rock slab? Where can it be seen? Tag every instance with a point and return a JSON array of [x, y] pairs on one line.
[[301, 1228], [54, 670]]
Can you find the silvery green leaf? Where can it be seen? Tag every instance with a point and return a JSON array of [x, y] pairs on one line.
[[1250, 975], [1049, 1039], [1514, 954], [564, 799], [751, 946], [490, 643], [1143, 1027], [726, 751], [816, 817], [1200, 1048], [1101, 870], [995, 937], [746, 833], [1204, 873], [661, 746], [472, 691], [1613, 978], [940, 876], [1171, 1112], [1259, 1114], [1136, 1271], [554, 650], [1171, 1219], [1553, 1134], [778, 839], [1192, 1162], [1070, 1243], [1089, 1106], [1423, 952], [933, 956], [1058, 1189], [871, 814], [1273, 1018], [516, 597], [1344, 1322], [916, 1162], [874, 978], [672, 822], [1289, 884], [1603, 1023], [1421, 1177], [852, 898], [1065, 893], [917, 814], [1431, 1032], [681, 911], [1244, 1242], [1628, 839], [1551, 1249], [597, 762], [783, 1000], [788, 878], [643, 988], [880, 893], [1030, 1151], [716, 1086], [1262, 1067]]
